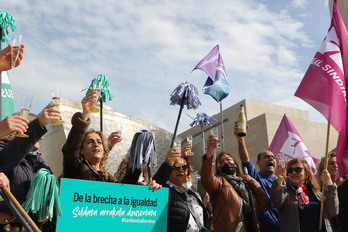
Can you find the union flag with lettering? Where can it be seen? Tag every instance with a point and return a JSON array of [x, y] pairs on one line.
[[324, 84], [7, 101]]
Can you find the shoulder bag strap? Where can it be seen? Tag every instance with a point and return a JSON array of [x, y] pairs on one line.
[[200, 226]]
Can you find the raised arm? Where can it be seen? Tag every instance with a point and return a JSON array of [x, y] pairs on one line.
[[259, 196], [6, 59], [278, 188], [163, 173], [13, 123], [331, 195], [242, 149], [12, 153], [80, 124], [209, 181]]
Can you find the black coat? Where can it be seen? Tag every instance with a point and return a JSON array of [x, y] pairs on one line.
[[343, 204], [18, 164], [178, 211]]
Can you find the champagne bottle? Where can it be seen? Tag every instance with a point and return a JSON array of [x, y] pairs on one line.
[[241, 122]]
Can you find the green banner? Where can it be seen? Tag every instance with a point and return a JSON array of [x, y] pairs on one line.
[[102, 206], [7, 101]]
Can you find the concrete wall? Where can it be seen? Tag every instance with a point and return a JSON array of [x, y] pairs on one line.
[[263, 120], [53, 141]]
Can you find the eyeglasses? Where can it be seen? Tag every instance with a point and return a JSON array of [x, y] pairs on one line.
[[298, 170], [225, 160], [184, 168]]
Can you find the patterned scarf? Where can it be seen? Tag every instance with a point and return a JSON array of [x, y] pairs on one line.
[[302, 195], [238, 185]]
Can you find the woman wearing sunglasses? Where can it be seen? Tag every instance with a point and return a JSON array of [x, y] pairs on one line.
[[296, 194], [186, 211]]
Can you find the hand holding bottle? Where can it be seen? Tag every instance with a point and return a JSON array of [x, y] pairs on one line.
[[242, 123]]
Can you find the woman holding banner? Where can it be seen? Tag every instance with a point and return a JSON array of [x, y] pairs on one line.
[[186, 211], [298, 198], [228, 191], [339, 223]]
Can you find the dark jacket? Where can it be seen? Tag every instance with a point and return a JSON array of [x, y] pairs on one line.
[[283, 197], [73, 165], [343, 205], [18, 164], [178, 211]]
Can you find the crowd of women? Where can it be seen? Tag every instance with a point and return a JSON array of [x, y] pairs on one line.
[[276, 198]]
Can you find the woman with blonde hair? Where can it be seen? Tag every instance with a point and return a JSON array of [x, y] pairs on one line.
[[296, 194]]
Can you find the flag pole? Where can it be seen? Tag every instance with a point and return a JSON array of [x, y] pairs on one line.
[[177, 121], [101, 115], [252, 204], [18, 210], [222, 128], [203, 142], [325, 167]]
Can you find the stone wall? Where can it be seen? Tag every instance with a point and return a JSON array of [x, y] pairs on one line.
[[53, 141], [263, 120]]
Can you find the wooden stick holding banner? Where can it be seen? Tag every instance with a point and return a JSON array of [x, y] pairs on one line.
[[252, 204], [18, 210], [322, 186]]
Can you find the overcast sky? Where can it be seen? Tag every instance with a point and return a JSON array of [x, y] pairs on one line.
[[147, 48]]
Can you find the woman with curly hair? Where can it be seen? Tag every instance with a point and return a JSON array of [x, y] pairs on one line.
[[296, 194], [86, 150]]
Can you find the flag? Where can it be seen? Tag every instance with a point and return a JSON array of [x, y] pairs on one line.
[[7, 101], [288, 144], [217, 84], [324, 84]]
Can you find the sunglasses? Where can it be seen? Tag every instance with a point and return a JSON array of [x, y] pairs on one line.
[[298, 170], [184, 168]]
